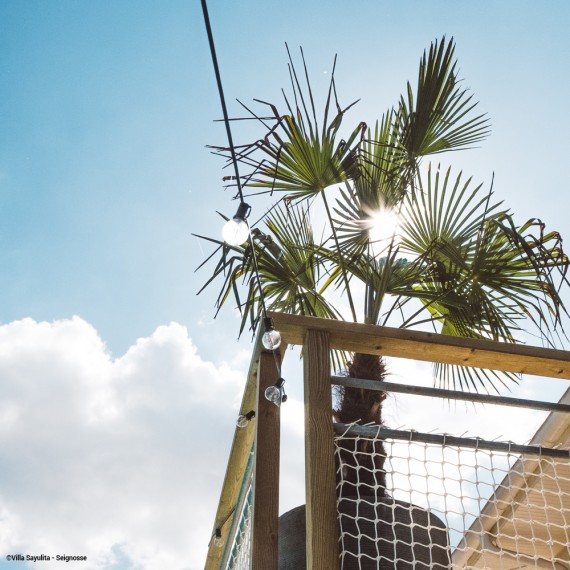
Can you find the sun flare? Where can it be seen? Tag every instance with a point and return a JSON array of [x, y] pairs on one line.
[[382, 228]]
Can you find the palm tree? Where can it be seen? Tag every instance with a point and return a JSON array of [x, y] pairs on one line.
[[457, 262]]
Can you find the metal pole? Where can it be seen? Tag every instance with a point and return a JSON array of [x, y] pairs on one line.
[[448, 394], [376, 431]]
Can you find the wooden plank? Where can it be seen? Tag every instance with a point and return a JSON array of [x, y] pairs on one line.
[[264, 553], [322, 523], [240, 450], [432, 347], [239, 454]]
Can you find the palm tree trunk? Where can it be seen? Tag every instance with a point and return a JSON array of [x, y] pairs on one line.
[[361, 472]]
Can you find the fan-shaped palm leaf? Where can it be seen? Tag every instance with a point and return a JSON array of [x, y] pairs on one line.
[[295, 155], [304, 164], [439, 117], [289, 270], [482, 274], [445, 209], [379, 183]]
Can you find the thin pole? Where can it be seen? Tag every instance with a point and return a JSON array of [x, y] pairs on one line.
[[377, 431], [448, 394]]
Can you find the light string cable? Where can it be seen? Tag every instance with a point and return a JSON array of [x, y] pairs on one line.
[[222, 98], [268, 323], [232, 149]]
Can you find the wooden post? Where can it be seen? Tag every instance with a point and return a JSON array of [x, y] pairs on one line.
[[266, 475], [322, 522]]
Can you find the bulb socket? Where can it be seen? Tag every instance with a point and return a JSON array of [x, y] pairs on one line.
[[218, 540], [242, 212]]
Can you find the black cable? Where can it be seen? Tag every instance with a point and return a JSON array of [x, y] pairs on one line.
[[222, 98], [231, 144]]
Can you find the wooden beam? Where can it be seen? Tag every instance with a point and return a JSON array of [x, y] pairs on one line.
[[432, 347], [264, 552], [237, 463], [320, 479], [240, 450]]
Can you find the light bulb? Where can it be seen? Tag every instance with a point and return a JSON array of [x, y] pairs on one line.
[[273, 394], [218, 540], [242, 421], [271, 339], [235, 231]]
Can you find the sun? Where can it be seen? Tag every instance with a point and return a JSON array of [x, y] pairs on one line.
[[382, 229]]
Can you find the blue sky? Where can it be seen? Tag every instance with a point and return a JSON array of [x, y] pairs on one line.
[[107, 108], [105, 111]]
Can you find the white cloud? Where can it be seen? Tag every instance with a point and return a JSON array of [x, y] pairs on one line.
[[103, 457], [124, 458]]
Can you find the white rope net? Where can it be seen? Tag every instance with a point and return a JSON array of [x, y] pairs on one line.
[[450, 507]]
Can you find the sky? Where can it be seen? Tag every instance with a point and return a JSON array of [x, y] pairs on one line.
[[118, 389]]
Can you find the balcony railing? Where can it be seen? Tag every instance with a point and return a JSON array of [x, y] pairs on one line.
[[247, 516]]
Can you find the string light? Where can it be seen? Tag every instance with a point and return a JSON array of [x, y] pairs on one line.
[[244, 419], [273, 394], [271, 339], [218, 540], [276, 393], [236, 231]]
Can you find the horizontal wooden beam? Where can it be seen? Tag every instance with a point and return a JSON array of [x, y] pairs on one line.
[[426, 346]]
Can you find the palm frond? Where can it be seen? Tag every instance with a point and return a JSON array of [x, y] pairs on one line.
[[305, 164], [468, 379], [289, 270], [439, 117], [459, 263], [444, 209], [378, 184], [295, 155]]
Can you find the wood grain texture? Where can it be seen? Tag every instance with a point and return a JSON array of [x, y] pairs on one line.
[[322, 524], [239, 455], [266, 472], [372, 339], [240, 450], [432, 347]]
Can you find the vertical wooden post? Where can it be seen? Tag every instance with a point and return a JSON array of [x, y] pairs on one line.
[[322, 522], [266, 475]]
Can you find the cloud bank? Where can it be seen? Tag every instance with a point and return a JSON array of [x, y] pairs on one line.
[[116, 459]]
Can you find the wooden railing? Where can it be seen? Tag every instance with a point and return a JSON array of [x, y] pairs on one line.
[[318, 337]]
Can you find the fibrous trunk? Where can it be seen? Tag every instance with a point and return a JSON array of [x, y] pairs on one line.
[[361, 470]]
